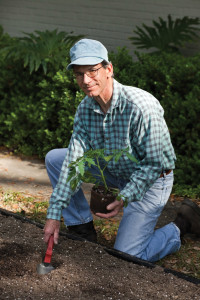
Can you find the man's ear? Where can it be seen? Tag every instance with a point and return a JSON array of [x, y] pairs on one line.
[[109, 70]]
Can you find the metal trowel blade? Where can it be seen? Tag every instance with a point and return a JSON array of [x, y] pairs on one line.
[[44, 268]]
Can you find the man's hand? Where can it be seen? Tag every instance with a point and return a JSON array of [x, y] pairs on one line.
[[114, 207], [52, 227]]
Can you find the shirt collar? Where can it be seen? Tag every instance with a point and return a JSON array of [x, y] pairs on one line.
[[115, 96], [117, 99]]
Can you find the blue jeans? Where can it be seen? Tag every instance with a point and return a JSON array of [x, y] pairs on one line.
[[136, 234]]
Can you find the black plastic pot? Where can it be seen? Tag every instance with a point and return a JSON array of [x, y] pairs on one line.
[[100, 199]]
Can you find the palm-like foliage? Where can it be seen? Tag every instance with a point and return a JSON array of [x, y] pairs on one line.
[[41, 48], [166, 35]]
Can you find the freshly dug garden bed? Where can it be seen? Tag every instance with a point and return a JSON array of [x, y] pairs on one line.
[[83, 270]]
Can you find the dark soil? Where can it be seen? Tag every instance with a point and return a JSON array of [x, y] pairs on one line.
[[83, 270]]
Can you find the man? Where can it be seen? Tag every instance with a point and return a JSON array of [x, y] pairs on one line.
[[114, 116]]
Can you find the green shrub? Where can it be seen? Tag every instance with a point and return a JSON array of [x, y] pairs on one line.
[[17, 104], [60, 97], [37, 107], [44, 50], [37, 110]]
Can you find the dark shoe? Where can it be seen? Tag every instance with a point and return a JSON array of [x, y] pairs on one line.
[[85, 231], [188, 218]]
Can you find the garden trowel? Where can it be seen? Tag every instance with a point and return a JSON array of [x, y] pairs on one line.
[[46, 267]]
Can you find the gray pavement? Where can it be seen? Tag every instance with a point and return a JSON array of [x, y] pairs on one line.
[[27, 176], [23, 175]]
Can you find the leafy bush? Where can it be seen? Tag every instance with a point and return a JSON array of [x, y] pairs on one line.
[[41, 49], [187, 191], [5, 39], [37, 109], [60, 97]]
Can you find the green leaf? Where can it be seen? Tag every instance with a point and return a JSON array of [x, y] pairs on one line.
[[117, 156], [89, 179], [72, 173], [108, 158], [131, 157], [81, 167], [90, 161], [73, 184]]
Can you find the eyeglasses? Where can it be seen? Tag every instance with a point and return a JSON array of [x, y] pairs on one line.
[[92, 73]]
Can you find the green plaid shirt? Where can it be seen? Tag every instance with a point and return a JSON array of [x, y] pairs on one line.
[[134, 119]]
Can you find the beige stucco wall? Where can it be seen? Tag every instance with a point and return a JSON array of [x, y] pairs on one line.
[[110, 21]]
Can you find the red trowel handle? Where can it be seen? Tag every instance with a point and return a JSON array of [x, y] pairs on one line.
[[49, 251]]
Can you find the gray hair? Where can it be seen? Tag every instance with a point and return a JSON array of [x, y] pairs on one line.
[[105, 64]]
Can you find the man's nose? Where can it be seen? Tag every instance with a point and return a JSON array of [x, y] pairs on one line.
[[86, 78]]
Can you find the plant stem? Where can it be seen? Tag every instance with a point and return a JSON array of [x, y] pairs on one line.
[[102, 175]]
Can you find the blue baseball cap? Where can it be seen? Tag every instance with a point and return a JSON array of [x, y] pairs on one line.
[[87, 52]]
